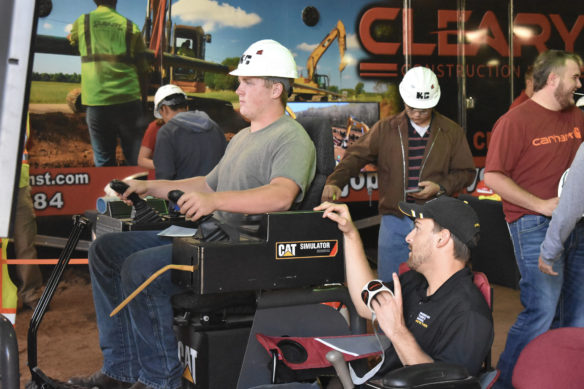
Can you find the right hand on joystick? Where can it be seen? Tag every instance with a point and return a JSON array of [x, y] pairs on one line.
[[175, 195]]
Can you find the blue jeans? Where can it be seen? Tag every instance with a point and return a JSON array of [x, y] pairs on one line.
[[138, 344], [392, 246], [543, 295], [108, 122]]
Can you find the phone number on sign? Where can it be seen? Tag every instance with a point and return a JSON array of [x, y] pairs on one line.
[[42, 201]]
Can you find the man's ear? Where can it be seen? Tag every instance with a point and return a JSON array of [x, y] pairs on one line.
[[277, 90], [161, 110], [553, 79], [443, 238]]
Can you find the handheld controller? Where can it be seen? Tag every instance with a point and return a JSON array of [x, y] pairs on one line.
[[371, 289]]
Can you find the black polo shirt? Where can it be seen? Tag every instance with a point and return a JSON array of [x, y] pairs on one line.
[[453, 325]]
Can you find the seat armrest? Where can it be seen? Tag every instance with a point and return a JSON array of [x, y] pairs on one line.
[[430, 375]]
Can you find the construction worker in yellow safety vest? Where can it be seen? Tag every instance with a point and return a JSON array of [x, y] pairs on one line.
[[113, 81]]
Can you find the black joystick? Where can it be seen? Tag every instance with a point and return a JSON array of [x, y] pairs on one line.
[[144, 214], [121, 187], [174, 195]]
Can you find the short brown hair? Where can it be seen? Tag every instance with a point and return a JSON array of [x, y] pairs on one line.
[[461, 250], [548, 62], [109, 3]]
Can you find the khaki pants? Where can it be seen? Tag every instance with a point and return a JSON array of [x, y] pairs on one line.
[[25, 230]]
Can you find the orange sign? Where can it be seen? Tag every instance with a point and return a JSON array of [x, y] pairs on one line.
[[69, 191]]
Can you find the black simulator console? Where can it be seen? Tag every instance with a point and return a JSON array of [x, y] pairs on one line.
[[278, 266], [293, 249]]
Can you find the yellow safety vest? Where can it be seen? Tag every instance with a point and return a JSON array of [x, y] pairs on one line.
[[109, 45]]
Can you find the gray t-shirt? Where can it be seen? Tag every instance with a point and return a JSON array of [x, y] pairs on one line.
[[254, 159]]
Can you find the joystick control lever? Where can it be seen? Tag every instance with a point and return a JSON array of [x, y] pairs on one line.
[[336, 359], [174, 195], [144, 213], [121, 187]]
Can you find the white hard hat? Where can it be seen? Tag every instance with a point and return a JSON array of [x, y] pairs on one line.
[[162, 93], [266, 58], [419, 88]]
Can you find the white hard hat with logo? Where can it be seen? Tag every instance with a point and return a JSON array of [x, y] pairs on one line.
[[419, 88], [266, 58], [162, 93]]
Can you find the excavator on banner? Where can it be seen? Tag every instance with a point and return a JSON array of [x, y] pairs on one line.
[[315, 86]]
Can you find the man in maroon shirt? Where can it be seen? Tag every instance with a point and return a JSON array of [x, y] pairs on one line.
[[531, 146]]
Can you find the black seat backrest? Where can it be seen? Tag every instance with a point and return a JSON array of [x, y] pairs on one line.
[[494, 254], [320, 131]]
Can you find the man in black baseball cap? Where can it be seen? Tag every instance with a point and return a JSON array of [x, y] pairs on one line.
[[436, 313], [450, 214]]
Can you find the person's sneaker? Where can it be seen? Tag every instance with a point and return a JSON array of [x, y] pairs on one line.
[[100, 381]]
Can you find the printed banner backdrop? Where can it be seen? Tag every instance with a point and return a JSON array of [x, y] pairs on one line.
[[69, 191], [480, 67]]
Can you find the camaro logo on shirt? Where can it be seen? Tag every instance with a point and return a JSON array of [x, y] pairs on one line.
[[421, 319], [560, 138]]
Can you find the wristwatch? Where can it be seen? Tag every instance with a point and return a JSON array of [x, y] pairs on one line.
[[441, 191]]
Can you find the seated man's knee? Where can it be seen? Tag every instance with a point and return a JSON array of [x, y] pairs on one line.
[[101, 249], [139, 266]]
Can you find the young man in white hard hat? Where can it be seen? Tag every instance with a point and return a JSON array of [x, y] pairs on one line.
[[436, 313], [420, 154], [190, 144], [266, 167], [531, 146]]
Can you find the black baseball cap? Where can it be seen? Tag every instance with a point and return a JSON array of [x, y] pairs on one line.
[[455, 215]]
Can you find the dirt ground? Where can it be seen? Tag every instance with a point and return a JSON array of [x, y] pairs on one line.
[[59, 138], [67, 340]]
